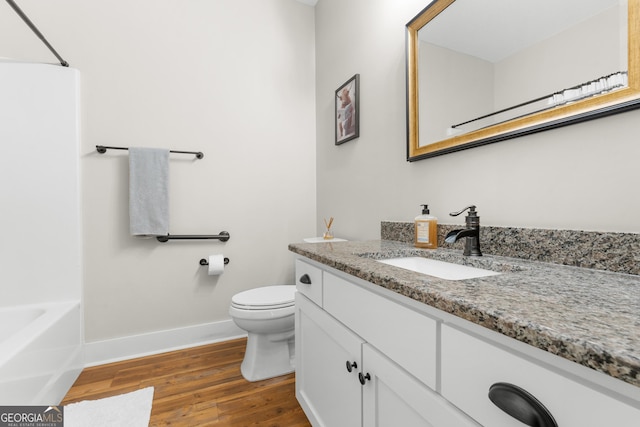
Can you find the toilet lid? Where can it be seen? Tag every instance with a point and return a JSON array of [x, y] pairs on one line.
[[265, 298]]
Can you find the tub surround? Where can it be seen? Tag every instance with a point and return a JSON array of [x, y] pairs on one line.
[[588, 316], [41, 354], [618, 252]]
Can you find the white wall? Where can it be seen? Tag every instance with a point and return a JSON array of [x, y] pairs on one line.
[[585, 52], [576, 177], [232, 78], [40, 252], [454, 88]]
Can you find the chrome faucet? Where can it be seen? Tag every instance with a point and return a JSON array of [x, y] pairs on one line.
[[471, 233]]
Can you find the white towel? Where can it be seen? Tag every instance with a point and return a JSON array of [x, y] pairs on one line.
[[148, 191]]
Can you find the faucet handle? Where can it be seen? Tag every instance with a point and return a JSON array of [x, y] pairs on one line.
[[472, 211]]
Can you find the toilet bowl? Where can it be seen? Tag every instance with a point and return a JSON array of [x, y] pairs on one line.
[[267, 314]]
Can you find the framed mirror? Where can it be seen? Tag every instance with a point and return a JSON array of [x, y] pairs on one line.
[[483, 71]]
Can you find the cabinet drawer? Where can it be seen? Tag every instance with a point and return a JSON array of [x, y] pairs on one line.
[[402, 334], [309, 281], [470, 366]]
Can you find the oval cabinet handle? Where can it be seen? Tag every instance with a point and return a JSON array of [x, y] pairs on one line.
[[363, 378], [521, 405], [351, 366], [305, 279]]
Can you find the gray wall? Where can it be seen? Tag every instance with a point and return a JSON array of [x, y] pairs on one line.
[[232, 78], [577, 177], [236, 79]]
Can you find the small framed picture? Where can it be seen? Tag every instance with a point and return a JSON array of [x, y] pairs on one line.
[[348, 110]]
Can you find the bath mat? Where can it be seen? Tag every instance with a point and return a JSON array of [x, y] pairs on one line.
[[130, 410]]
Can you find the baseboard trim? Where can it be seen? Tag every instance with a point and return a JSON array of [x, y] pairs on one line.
[[130, 347]]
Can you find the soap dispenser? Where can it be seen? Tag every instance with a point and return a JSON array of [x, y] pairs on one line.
[[426, 230]]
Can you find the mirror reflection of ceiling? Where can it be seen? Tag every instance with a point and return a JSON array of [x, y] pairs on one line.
[[495, 29]]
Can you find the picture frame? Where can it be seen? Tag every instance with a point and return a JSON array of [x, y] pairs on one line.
[[347, 110]]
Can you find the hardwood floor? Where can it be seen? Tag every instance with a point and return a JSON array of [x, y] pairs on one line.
[[200, 386]]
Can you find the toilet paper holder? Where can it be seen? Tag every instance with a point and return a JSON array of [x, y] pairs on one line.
[[205, 262]]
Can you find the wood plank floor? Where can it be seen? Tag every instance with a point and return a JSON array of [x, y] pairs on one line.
[[200, 386]]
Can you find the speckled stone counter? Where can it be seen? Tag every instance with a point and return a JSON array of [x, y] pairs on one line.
[[619, 252], [588, 316]]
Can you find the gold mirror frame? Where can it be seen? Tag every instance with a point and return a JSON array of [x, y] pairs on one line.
[[586, 109]]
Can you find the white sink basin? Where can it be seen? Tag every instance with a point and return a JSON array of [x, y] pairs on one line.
[[441, 269]]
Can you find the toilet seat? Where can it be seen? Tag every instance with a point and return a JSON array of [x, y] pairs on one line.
[[265, 298]]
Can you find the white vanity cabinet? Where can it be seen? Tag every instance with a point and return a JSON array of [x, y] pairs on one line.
[[420, 366], [364, 360]]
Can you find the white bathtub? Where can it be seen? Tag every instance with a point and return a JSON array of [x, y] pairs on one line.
[[40, 352]]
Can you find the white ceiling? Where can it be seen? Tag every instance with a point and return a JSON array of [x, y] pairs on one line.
[[495, 29]]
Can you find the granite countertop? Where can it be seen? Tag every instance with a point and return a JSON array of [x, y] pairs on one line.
[[591, 317]]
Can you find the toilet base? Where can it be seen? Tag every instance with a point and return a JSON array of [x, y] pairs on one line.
[[268, 356]]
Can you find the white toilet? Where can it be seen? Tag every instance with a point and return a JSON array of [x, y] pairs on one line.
[[267, 314]]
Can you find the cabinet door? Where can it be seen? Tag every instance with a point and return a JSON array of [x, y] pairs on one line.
[[392, 397], [329, 394]]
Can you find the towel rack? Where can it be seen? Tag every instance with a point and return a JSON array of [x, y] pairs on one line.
[[223, 236], [103, 149], [205, 262]]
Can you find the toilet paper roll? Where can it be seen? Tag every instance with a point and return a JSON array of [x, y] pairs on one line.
[[216, 265]]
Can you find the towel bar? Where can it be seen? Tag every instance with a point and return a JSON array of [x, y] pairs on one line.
[[103, 149], [205, 262], [223, 236]]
